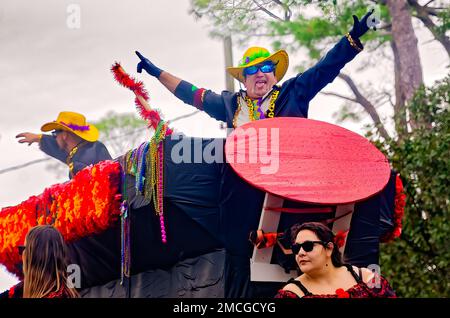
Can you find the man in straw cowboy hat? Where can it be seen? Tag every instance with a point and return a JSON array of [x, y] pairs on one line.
[[259, 71], [73, 141]]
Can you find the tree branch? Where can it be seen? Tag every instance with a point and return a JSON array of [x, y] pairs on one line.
[[267, 11], [377, 47], [389, 96], [287, 10], [366, 104], [423, 14], [387, 26], [340, 96]]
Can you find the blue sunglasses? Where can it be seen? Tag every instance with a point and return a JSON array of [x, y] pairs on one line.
[[265, 68]]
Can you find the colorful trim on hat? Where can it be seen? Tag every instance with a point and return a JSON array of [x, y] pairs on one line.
[[76, 127], [254, 56]]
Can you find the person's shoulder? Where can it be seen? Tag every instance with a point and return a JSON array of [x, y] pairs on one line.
[[289, 81], [292, 287], [90, 146], [97, 144], [92, 151], [366, 273], [288, 84], [226, 93]]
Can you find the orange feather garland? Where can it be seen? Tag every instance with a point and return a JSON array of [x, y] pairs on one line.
[[86, 205]]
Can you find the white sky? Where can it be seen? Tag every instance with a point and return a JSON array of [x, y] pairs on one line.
[[47, 67]]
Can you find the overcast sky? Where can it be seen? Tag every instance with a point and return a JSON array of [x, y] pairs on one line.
[[48, 66]]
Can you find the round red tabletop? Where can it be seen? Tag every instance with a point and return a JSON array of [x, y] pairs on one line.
[[307, 160]]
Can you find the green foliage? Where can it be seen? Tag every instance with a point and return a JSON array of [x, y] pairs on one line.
[[112, 120], [201, 4], [228, 16], [287, 23], [121, 132], [313, 32], [417, 263], [443, 21]]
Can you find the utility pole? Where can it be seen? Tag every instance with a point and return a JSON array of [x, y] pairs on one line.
[[228, 50]]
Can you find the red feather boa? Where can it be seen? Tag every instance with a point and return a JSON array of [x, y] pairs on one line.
[[151, 116], [86, 205]]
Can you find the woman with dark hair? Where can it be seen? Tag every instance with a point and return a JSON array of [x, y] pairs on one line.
[[45, 265], [324, 273]]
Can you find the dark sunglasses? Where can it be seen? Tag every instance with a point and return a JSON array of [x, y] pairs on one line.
[[308, 246], [56, 132], [265, 68], [21, 248]]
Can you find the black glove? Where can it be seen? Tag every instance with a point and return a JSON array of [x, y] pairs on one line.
[[148, 66], [361, 27]]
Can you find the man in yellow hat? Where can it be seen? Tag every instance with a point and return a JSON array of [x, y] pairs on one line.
[[260, 71], [73, 141]]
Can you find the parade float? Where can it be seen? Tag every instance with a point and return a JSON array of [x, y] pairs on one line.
[[163, 221]]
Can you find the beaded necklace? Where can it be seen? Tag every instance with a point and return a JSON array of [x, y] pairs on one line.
[[271, 112], [157, 177], [72, 153], [125, 254], [251, 108], [146, 163]]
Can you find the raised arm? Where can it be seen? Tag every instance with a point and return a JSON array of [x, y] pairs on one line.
[[327, 69], [49, 145], [46, 143], [168, 80], [200, 98]]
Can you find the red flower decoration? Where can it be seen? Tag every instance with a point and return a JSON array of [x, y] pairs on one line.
[[263, 240], [399, 211], [86, 205], [342, 293], [339, 239], [11, 292]]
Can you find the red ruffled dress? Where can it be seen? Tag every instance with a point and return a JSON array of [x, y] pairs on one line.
[[360, 290], [17, 292], [63, 292]]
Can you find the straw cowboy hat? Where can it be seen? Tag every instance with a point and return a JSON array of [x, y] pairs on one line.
[[256, 55], [74, 123]]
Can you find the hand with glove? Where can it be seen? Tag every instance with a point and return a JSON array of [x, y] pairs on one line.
[[361, 27], [148, 66]]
